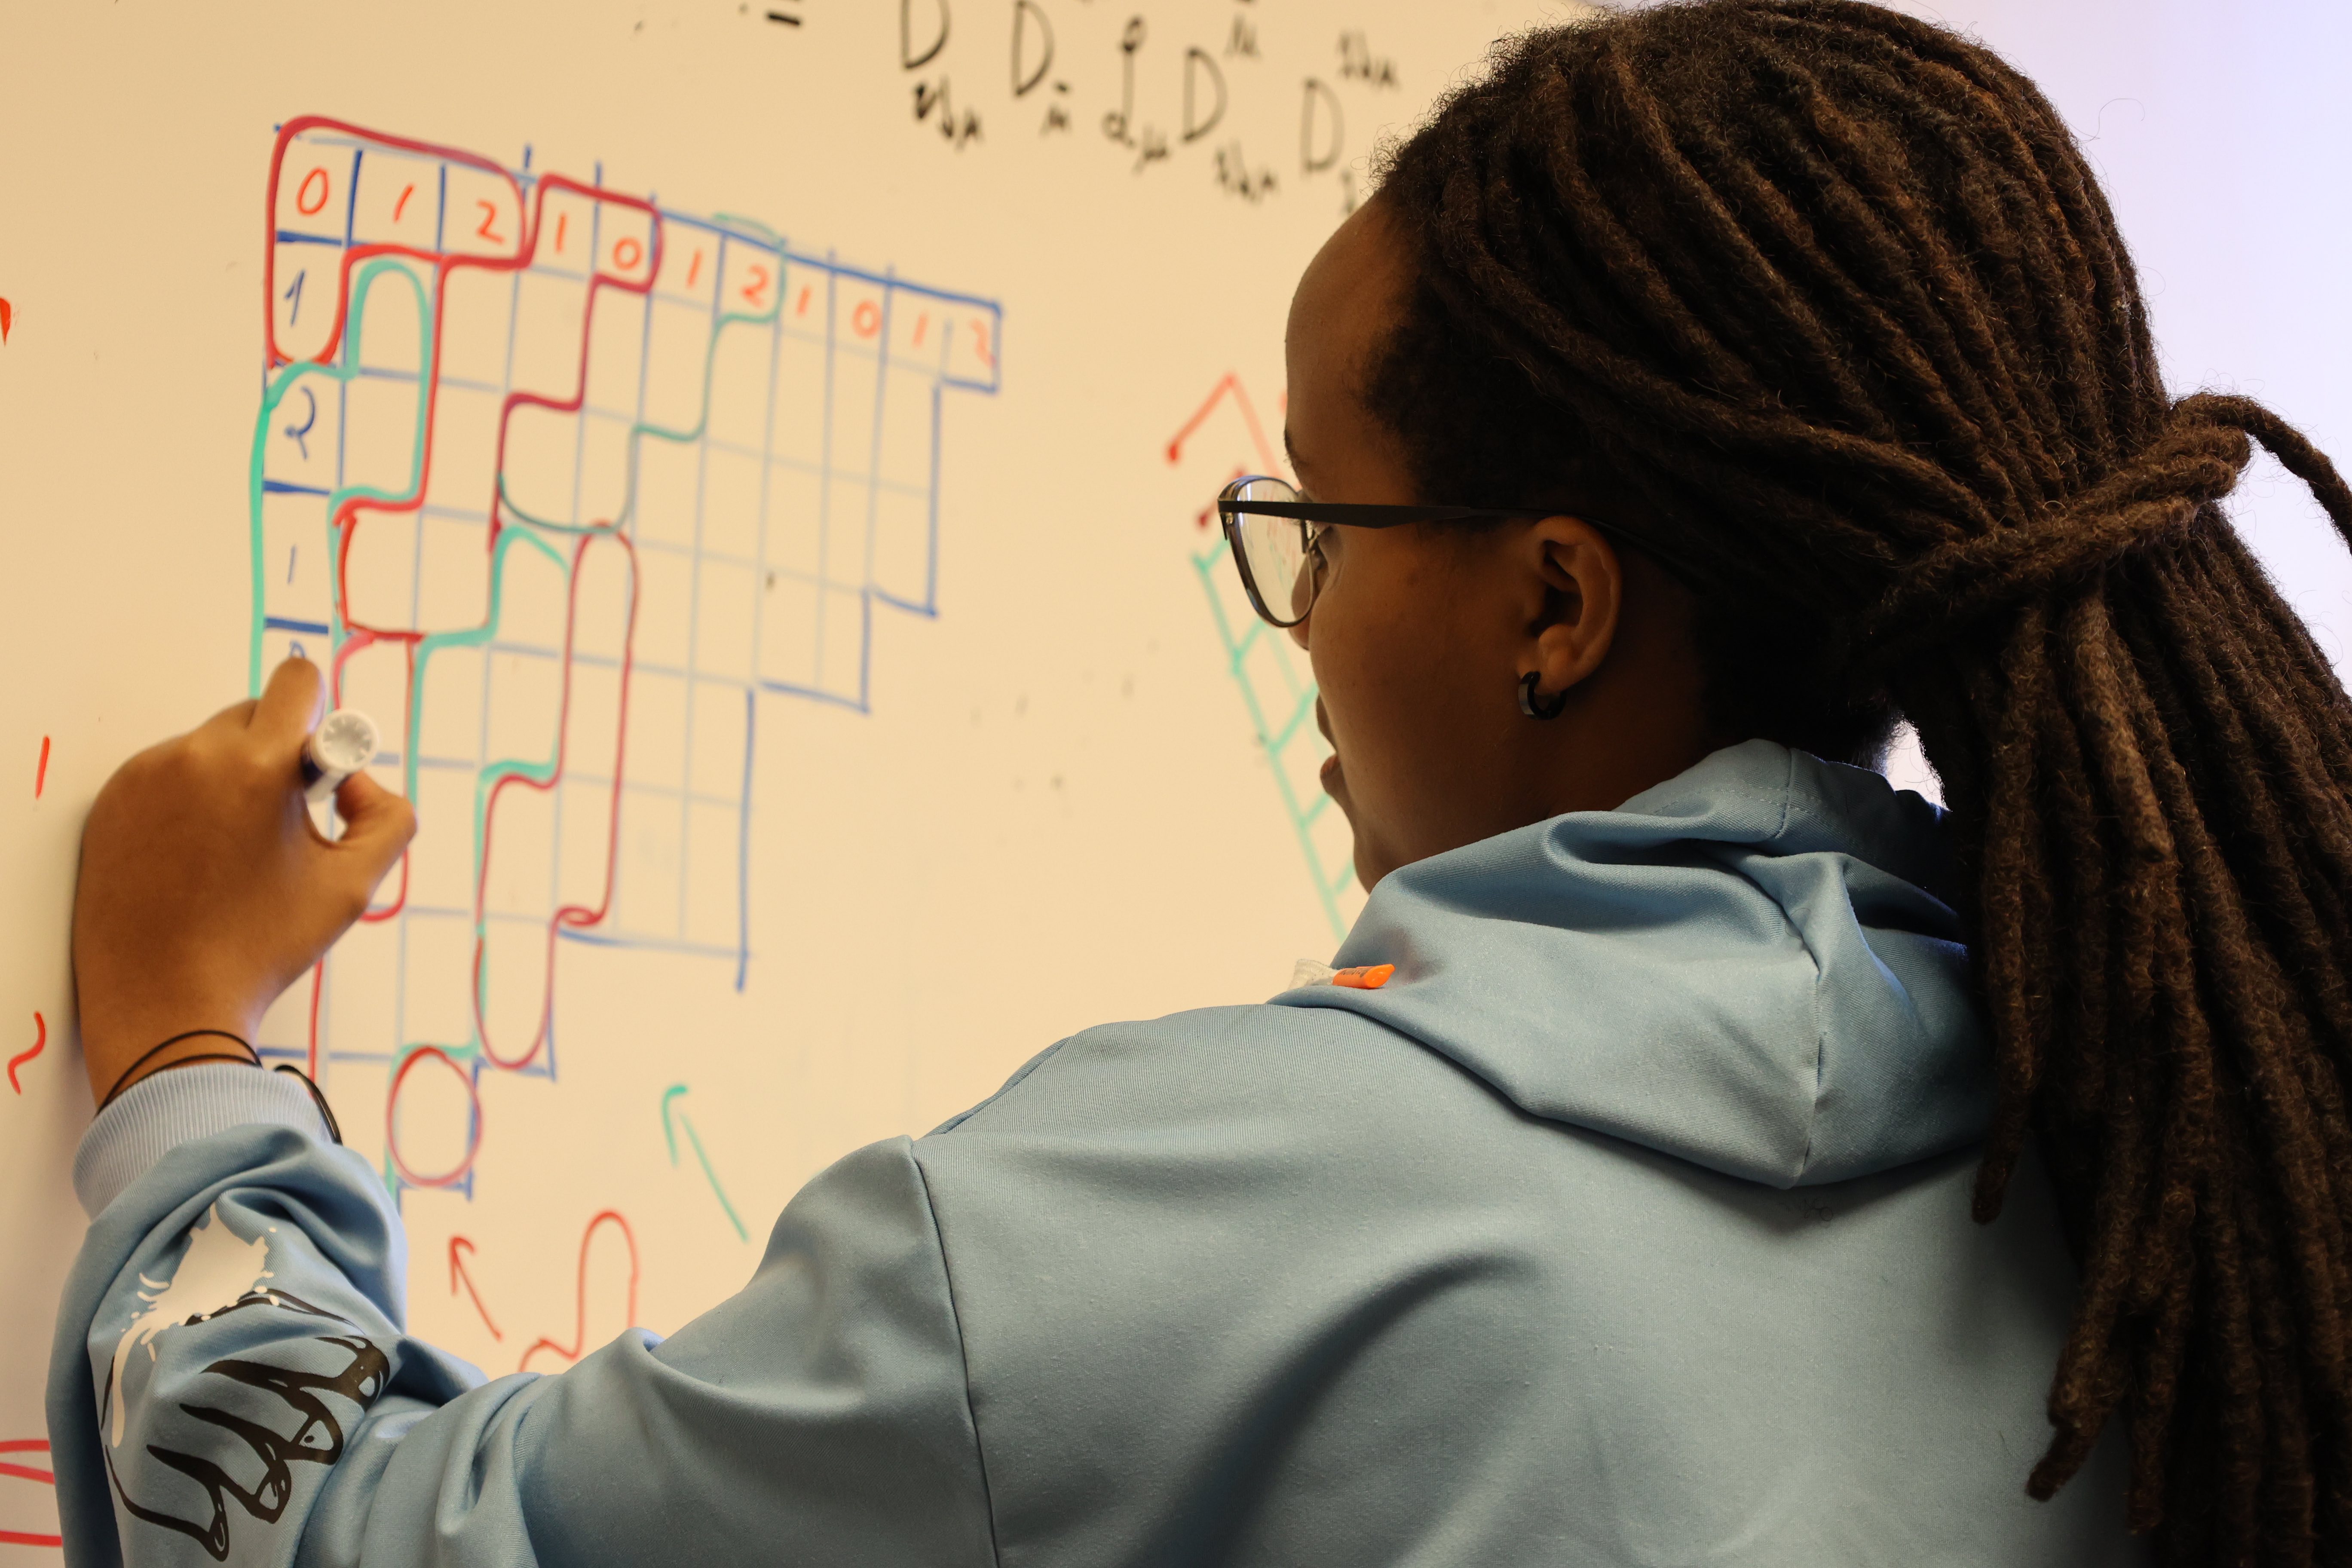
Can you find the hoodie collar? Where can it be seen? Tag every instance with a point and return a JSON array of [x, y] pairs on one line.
[[1752, 965]]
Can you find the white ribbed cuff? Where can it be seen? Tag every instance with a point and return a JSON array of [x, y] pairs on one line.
[[176, 1106]]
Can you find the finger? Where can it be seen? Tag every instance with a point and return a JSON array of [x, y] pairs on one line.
[[377, 826], [290, 706], [235, 716]]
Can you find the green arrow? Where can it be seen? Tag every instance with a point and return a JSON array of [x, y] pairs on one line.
[[669, 1135]]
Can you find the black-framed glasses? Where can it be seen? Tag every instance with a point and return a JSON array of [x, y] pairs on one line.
[[1275, 535]]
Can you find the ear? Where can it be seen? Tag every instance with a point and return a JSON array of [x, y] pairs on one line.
[[1577, 588]]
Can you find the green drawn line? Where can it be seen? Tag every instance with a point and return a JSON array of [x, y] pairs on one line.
[[672, 1092], [276, 393], [643, 429], [1327, 886]]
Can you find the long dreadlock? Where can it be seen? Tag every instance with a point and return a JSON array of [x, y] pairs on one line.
[[1827, 297]]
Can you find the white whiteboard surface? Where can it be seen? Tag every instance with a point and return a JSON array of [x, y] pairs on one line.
[[904, 390]]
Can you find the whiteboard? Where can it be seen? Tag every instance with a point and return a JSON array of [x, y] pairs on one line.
[[752, 459]]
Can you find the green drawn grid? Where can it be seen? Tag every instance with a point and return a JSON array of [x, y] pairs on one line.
[[1277, 732]]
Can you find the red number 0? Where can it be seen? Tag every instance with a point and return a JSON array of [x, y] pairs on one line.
[[489, 216], [757, 288], [302, 202]]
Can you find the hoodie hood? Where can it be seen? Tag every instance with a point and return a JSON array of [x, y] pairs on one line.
[[1752, 965]]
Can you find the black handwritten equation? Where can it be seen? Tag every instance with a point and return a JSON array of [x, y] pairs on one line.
[[1260, 102]]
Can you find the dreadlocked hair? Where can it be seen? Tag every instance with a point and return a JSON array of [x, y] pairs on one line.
[[1827, 298]]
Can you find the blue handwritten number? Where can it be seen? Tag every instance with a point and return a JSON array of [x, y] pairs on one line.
[[294, 293], [298, 431]]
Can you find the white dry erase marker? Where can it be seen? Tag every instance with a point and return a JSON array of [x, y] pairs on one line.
[[338, 747]]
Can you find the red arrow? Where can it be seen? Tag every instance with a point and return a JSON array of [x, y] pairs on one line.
[[457, 1274]]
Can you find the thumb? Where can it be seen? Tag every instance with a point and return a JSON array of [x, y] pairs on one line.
[[377, 826]]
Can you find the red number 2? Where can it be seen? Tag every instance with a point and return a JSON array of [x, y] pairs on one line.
[[756, 291], [489, 216]]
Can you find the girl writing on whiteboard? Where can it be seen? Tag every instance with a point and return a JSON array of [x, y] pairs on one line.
[[1703, 1152]]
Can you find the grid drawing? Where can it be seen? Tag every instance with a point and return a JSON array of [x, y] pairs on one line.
[[1277, 688], [556, 483]]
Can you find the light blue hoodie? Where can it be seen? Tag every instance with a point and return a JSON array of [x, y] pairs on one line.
[[1628, 1224]]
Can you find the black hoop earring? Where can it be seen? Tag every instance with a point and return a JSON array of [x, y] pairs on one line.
[[1534, 709]]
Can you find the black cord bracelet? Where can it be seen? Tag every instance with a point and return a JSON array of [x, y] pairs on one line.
[[251, 1059], [318, 1097], [251, 1056]]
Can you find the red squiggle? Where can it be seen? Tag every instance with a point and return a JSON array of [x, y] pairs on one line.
[[44, 1477], [40, 1043], [580, 1328], [597, 280], [575, 916]]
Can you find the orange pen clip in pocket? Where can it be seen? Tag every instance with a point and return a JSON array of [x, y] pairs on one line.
[[1364, 977]]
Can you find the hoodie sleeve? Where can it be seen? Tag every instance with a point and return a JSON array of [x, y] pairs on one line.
[[232, 1381]]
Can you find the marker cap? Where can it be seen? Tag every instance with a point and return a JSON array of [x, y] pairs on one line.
[[341, 746]]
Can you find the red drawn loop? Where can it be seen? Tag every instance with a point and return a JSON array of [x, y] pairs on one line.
[[568, 917], [451, 1177], [303, 203]]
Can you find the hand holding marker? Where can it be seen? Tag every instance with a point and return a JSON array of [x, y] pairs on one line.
[[341, 746], [202, 895]]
